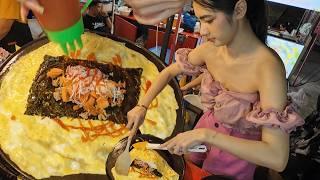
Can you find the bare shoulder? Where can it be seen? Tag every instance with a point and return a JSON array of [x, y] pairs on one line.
[[270, 63], [271, 80], [198, 55]]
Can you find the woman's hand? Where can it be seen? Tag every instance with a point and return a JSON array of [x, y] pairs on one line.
[[188, 87], [27, 5], [185, 88], [153, 11], [136, 117], [182, 142], [195, 83]]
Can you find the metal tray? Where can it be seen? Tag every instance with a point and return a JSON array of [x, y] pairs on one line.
[[9, 167]]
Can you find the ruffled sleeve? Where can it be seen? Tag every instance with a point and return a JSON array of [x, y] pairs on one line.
[[181, 57], [287, 120]]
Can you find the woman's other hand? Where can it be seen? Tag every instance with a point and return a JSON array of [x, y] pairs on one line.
[[153, 11], [182, 142], [189, 86], [195, 83]]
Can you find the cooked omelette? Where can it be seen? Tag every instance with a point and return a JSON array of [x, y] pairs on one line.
[[147, 159], [44, 147]]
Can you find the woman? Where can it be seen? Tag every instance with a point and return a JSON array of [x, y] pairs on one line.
[[246, 120]]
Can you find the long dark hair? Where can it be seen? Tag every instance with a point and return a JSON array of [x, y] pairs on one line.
[[256, 13]]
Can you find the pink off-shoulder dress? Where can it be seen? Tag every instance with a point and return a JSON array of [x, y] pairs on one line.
[[235, 114]]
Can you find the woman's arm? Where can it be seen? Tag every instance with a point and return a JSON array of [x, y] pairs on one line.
[[137, 114], [272, 151], [194, 57], [159, 83]]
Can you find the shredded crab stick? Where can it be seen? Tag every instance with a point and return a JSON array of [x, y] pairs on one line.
[[87, 88]]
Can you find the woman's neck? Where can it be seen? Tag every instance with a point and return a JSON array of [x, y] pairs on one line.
[[244, 42]]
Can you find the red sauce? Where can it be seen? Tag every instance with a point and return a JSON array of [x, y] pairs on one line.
[[148, 85], [92, 132], [75, 55], [145, 88], [13, 118], [91, 57], [117, 60], [61, 124]]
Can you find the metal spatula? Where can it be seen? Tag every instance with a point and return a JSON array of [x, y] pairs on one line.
[[146, 145]]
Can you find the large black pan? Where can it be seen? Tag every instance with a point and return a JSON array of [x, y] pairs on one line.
[[10, 168], [175, 162]]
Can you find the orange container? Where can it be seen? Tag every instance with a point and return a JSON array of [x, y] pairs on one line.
[[59, 14]]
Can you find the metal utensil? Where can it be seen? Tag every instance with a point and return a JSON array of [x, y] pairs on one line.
[[146, 145], [123, 162]]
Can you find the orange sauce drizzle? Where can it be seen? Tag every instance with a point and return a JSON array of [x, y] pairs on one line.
[[91, 132], [148, 85], [154, 104], [117, 60], [13, 117], [91, 57], [72, 55], [145, 88], [152, 122], [75, 55]]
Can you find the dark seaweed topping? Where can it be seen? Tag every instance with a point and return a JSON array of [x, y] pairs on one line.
[[41, 101]]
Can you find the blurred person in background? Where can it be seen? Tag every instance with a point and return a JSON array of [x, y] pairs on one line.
[[12, 30], [94, 19]]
